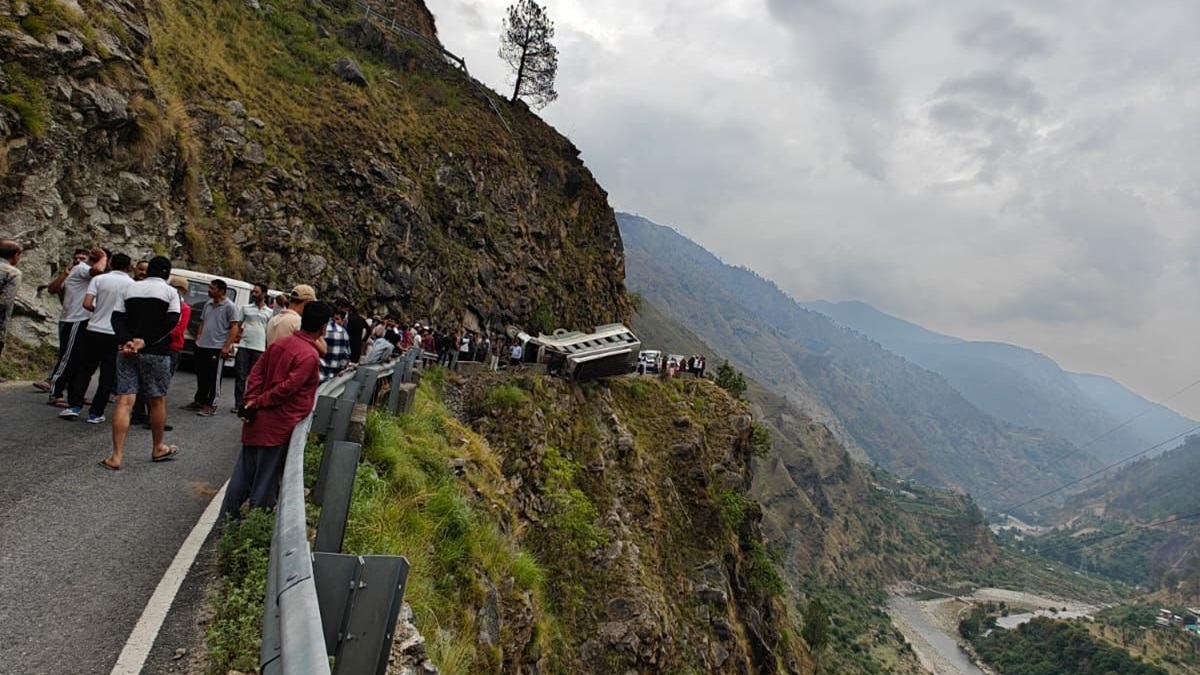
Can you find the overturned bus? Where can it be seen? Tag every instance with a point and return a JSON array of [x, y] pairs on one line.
[[610, 350]]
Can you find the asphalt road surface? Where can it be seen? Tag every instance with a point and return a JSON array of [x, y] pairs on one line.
[[83, 548]]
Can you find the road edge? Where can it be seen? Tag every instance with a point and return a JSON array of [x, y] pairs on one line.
[[145, 631]]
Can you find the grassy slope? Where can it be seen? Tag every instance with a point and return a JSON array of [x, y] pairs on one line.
[[529, 529]]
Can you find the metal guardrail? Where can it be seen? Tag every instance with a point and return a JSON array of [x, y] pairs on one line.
[[320, 602]]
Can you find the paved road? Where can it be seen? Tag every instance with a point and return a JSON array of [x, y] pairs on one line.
[[82, 548]]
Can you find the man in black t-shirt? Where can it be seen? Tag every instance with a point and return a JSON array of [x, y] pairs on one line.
[[143, 319], [356, 326]]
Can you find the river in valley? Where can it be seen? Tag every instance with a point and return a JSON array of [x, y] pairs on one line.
[[937, 651]]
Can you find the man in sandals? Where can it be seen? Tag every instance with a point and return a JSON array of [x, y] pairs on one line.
[[143, 319]]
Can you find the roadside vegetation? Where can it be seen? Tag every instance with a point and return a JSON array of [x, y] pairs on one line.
[[1044, 646], [235, 635], [408, 500], [23, 361]]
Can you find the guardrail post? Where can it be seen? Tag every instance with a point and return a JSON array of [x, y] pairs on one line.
[[343, 408], [323, 414], [397, 379], [369, 378], [341, 458], [360, 598]]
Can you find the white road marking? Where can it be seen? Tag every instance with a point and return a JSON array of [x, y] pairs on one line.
[[141, 640]]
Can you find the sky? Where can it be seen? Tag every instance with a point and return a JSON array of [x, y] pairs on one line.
[[1021, 171]]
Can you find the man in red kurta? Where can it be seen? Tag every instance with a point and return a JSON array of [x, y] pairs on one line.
[[279, 393]]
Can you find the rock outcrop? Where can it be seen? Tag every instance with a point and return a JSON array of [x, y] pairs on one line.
[[653, 549], [220, 135]]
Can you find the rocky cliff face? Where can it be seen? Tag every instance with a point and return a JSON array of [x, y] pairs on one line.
[[220, 134], [635, 496]]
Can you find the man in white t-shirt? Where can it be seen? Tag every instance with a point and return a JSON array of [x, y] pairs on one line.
[[251, 327], [73, 285], [98, 342]]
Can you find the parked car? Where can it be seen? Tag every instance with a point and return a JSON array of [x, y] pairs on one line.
[[649, 361], [238, 292]]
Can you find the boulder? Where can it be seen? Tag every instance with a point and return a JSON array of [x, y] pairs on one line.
[[349, 70]]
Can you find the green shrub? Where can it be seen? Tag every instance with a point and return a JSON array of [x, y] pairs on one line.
[[760, 440], [235, 635], [527, 571], [763, 576], [731, 379], [28, 100], [505, 397], [734, 506]]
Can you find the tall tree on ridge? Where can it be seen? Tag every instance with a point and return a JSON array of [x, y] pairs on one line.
[[525, 46]]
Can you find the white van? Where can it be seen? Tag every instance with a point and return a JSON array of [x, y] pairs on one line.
[[238, 292], [649, 361]]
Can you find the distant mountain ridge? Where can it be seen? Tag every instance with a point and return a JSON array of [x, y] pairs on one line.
[[1021, 386], [908, 419], [837, 524]]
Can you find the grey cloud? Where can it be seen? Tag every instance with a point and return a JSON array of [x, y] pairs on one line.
[[1057, 303], [1112, 233], [724, 167], [472, 17], [1111, 262], [998, 33], [989, 114], [955, 115], [996, 90], [841, 47]]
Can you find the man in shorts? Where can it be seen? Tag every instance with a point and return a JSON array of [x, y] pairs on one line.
[[143, 319]]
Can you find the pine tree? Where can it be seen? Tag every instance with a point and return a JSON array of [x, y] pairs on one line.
[[816, 630], [525, 46], [731, 379]]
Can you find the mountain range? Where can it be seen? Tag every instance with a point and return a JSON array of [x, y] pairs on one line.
[[1024, 387], [908, 419]]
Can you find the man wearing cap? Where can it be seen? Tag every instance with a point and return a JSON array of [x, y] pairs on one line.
[[288, 321], [143, 319], [10, 283]]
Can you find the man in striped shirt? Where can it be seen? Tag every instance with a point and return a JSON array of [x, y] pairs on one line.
[[337, 342]]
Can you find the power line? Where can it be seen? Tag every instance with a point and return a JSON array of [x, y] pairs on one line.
[[1065, 545], [1100, 471], [1111, 431]]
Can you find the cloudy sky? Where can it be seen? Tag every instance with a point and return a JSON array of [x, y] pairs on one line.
[[1024, 171]]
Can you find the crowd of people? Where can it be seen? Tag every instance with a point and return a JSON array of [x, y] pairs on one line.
[[129, 320], [443, 346]]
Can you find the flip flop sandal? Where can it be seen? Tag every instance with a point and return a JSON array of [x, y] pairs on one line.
[[104, 463], [168, 455]]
